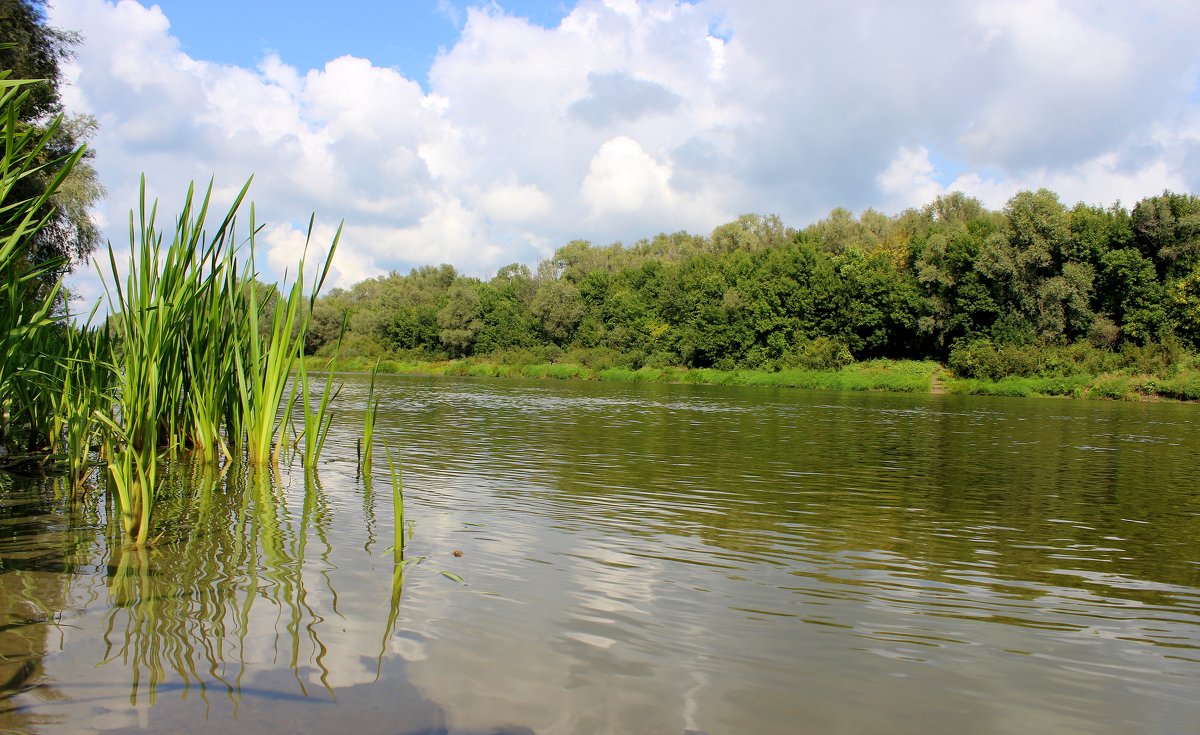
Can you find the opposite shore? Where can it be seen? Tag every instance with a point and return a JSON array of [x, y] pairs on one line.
[[900, 376]]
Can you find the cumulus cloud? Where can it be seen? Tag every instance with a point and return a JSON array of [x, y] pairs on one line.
[[517, 203], [627, 118], [624, 178], [908, 181]]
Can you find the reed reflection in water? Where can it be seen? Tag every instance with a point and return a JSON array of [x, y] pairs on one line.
[[239, 588]]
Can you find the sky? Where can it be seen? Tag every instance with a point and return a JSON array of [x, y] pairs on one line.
[[483, 134]]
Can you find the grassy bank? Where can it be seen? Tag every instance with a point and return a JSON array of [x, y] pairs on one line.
[[901, 376], [1182, 386]]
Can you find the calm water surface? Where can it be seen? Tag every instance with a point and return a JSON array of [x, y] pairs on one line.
[[637, 559]]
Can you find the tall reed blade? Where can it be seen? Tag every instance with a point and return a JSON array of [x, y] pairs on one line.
[[397, 506], [317, 421], [368, 437], [263, 366]]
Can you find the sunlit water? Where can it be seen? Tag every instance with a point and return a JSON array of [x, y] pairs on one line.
[[637, 559]]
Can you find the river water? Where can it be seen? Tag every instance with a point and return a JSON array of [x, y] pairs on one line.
[[616, 558]]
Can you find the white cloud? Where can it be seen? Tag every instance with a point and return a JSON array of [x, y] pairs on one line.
[[629, 118], [624, 178], [908, 181], [513, 203], [1101, 180], [452, 12], [449, 231]]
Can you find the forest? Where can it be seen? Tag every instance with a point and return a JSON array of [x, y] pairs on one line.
[[1037, 288]]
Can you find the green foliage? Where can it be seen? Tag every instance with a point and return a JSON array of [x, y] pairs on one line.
[[1035, 290], [1133, 294], [1183, 302], [1183, 386], [625, 375], [822, 353], [31, 340], [459, 318], [990, 361], [1166, 230], [33, 51], [30, 49], [558, 308], [560, 371]]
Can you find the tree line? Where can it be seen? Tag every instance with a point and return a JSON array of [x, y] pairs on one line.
[[952, 281]]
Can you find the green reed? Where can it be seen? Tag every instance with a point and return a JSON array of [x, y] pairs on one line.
[[29, 327], [399, 563], [397, 507], [159, 299], [191, 359], [87, 370], [368, 437], [317, 420], [264, 365], [202, 366]]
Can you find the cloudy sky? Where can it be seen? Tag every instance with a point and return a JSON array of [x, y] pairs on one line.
[[491, 133]]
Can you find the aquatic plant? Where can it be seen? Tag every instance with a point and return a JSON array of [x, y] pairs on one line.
[[87, 370], [316, 420], [263, 366], [191, 359], [368, 437], [195, 370], [158, 300], [29, 327], [397, 508]]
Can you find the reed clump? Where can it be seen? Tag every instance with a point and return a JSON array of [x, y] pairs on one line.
[[194, 357], [31, 326], [206, 352], [192, 363]]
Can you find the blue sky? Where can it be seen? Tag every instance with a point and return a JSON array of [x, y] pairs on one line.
[[486, 133], [403, 34]]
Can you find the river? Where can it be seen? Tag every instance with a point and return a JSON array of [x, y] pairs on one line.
[[624, 558]]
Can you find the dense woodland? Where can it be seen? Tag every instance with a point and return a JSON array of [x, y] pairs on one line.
[[1033, 288]]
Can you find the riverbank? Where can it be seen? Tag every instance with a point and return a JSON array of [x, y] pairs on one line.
[[901, 376]]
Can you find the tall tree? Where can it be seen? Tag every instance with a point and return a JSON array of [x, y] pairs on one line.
[[1166, 229]]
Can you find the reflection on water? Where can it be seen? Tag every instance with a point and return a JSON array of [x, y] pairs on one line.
[[637, 559], [239, 585]]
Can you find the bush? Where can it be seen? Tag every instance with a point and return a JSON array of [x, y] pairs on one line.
[[984, 360], [1116, 387], [822, 353], [987, 361], [560, 371], [1184, 386], [353, 346], [596, 358], [625, 375]]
